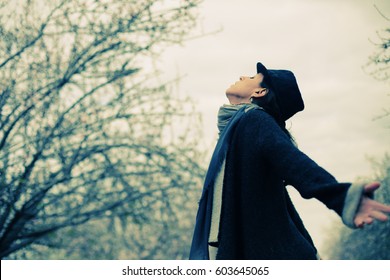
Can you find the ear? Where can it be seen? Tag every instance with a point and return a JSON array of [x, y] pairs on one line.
[[259, 92]]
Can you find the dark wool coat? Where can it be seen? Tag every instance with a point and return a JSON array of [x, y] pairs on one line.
[[258, 219]]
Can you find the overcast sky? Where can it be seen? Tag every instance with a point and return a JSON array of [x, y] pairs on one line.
[[325, 43]]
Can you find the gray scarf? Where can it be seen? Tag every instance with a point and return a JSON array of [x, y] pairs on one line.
[[226, 112]]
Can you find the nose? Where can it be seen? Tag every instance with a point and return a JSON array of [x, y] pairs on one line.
[[242, 78]]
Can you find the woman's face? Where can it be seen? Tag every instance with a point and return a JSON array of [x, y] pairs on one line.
[[245, 88]]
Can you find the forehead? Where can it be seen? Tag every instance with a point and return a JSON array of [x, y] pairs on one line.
[[259, 76]]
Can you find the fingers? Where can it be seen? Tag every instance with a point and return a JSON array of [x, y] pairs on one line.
[[379, 216], [368, 218], [360, 221], [377, 206], [371, 187], [369, 211]]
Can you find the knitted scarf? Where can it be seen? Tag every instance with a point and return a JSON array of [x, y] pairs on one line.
[[226, 112]]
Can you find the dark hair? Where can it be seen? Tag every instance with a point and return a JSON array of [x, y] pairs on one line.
[[269, 103]]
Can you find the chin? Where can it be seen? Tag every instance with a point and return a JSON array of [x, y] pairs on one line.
[[229, 91]]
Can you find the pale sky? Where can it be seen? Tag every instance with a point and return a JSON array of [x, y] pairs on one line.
[[325, 43]]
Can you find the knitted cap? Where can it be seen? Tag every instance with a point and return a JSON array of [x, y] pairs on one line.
[[285, 87]]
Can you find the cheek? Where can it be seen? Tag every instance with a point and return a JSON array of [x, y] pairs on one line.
[[248, 88]]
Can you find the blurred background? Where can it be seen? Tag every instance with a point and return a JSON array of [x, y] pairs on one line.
[[108, 116]]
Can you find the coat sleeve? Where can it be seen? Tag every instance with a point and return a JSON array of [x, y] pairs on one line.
[[305, 175]]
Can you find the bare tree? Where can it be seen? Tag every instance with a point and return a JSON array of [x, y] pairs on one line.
[[379, 61], [85, 132], [378, 65]]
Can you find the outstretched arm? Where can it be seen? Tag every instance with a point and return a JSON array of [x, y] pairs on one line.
[[369, 209], [353, 202]]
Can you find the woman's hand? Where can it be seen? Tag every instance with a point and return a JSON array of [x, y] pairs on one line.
[[369, 209]]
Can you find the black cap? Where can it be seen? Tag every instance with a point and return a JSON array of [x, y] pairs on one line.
[[285, 87]]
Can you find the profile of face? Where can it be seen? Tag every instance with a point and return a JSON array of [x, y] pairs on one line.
[[245, 88]]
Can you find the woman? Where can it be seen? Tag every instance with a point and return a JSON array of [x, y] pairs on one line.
[[245, 211]]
